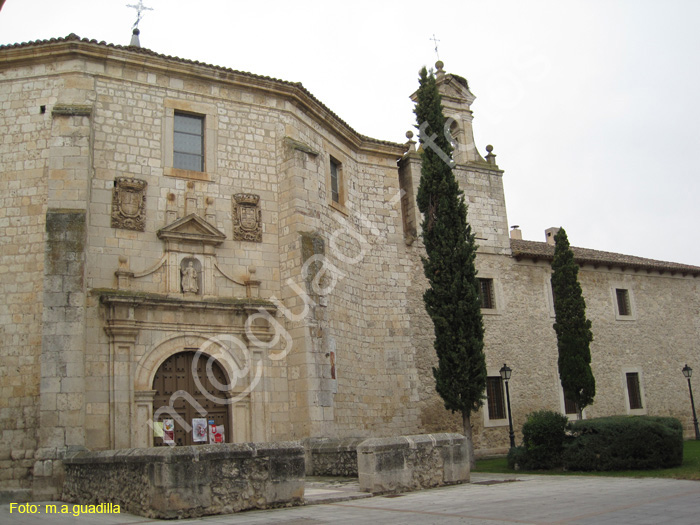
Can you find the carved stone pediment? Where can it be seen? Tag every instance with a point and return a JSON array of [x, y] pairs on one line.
[[190, 231], [455, 87], [454, 91]]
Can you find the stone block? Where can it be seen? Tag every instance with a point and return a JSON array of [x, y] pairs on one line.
[[331, 457], [405, 463], [182, 482]]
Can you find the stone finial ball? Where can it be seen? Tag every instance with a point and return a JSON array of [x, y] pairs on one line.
[[409, 134], [252, 269], [489, 148], [439, 64]]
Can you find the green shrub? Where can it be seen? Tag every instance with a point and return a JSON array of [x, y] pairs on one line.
[[624, 443], [544, 434], [517, 458]]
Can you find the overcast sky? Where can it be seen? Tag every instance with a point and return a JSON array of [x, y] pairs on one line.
[[593, 108]]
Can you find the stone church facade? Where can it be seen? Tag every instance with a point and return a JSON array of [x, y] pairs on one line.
[[183, 241]]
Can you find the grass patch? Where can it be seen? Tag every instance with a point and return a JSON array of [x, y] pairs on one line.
[[690, 469]]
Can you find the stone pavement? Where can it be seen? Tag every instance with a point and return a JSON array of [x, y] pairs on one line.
[[490, 499]]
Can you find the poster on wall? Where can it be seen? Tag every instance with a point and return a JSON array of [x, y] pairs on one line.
[[158, 429], [168, 431], [199, 430], [216, 432]]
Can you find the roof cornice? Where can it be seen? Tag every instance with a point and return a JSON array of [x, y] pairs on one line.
[[73, 45], [537, 251]]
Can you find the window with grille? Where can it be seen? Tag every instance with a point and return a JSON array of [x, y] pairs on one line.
[[495, 400], [188, 142], [335, 180], [623, 301], [486, 293], [633, 391]]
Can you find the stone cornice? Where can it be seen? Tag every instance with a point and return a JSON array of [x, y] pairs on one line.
[[72, 46], [110, 296]]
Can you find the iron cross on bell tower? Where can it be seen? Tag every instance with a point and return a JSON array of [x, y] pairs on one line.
[[435, 41]]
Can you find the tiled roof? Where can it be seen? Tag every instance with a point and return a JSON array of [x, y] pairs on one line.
[[143, 51], [541, 250]]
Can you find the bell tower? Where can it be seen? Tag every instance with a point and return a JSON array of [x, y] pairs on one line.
[[479, 177]]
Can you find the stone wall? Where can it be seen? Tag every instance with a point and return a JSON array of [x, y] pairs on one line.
[[331, 457], [23, 204], [655, 342], [405, 463], [185, 482]]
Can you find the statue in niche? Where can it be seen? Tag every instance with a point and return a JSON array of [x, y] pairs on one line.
[[189, 278]]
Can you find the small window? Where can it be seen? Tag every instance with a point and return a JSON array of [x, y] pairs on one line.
[[188, 142], [486, 293], [494, 395], [335, 180], [623, 301], [633, 391]]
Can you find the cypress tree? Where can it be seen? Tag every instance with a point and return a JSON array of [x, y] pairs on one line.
[[452, 298], [573, 330]]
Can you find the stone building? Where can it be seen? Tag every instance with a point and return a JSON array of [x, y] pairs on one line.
[[183, 241]]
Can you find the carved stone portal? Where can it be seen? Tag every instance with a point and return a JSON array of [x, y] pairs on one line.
[[129, 204], [247, 217]]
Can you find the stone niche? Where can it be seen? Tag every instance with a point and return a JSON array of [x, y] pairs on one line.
[[187, 482]]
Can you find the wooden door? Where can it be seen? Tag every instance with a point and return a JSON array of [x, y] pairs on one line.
[[176, 374]]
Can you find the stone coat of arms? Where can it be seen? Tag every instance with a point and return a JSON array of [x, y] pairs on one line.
[[247, 217], [129, 204]]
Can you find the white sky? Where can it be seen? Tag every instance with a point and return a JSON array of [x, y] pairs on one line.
[[592, 107]]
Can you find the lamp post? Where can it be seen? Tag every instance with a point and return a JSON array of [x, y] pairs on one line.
[[505, 375], [688, 372]]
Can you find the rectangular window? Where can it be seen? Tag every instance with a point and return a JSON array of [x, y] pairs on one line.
[[486, 293], [188, 142], [633, 391], [623, 301], [494, 396], [569, 405], [335, 180]]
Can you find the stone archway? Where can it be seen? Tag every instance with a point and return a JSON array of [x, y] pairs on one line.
[[246, 415], [191, 385]]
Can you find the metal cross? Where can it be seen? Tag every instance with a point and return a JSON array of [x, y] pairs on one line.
[[435, 40], [140, 8]]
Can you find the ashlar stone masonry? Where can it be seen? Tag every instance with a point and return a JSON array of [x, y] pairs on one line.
[[281, 262]]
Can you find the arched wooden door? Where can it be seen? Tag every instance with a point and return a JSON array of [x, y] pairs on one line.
[[176, 374]]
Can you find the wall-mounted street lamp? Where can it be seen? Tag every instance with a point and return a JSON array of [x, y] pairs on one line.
[[688, 372], [505, 375]]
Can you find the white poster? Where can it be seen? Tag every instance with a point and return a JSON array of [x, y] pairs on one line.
[[199, 430], [216, 432]]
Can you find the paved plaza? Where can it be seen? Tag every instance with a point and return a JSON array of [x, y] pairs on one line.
[[490, 499]]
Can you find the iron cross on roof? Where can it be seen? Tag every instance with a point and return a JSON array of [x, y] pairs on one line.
[[140, 8], [435, 40]]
